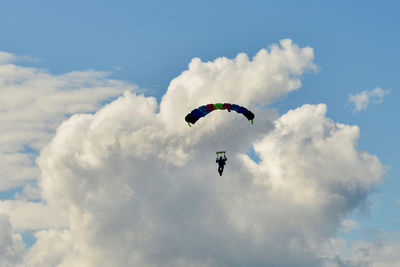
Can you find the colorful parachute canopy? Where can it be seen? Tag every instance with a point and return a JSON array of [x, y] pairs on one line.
[[202, 111]]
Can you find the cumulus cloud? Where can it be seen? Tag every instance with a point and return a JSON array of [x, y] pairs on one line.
[[363, 99], [12, 247], [136, 208], [141, 188], [269, 75], [32, 105]]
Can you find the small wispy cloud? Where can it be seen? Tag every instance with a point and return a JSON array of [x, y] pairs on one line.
[[8, 58], [363, 99], [348, 225]]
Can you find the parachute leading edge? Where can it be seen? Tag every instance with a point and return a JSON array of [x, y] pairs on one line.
[[202, 111]]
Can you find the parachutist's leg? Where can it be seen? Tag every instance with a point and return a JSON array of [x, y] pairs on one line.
[[220, 170]]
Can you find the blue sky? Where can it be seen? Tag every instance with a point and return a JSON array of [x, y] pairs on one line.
[[148, 43], [151, 42]]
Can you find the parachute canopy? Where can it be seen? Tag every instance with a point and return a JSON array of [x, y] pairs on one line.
[[202, 111]]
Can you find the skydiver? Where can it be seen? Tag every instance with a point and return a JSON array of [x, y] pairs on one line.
[[221, 163]]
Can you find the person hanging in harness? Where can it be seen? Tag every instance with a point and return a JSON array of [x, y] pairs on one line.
[[221, 162]]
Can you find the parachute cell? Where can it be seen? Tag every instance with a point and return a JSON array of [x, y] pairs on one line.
[[197, 113], [210, 107], [227, 106], [218, 106], [235, 107], [204, 110]]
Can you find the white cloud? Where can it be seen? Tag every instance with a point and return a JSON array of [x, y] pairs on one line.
[[12, 247], [16, 168], [26, 215], [128, 204], [59, 242], [269, 75], [8, 58], [33, 103], [363, 99], [30, 191], [348, 225], [337, 252], [141, 188]]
